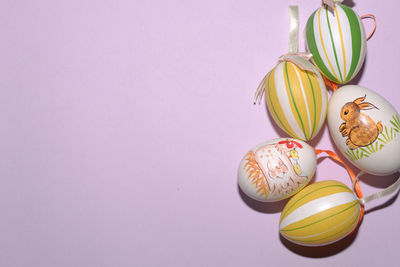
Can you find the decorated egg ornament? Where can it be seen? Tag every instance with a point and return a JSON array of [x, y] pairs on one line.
[[366, 129], [295, 91], [276, 169], [363, 125], [296, 99], [336, 39], [320, 214]]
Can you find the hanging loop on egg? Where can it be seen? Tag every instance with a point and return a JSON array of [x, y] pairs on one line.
[[331, 3], [370, 16], [387, 191], [294, 29], [356, 180], [260, 90], [300, 59], [293, 51]]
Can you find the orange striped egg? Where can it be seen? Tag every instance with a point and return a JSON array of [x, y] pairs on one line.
[[320, 214], [337, 42], [296, 99], [276, 169]]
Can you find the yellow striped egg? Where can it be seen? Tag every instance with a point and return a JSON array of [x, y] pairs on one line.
[[296, 99], [336, 39], [320, 214]]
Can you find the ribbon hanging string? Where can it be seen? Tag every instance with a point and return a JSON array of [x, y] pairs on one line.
[[331, 3], [294, 29], [385, 192], [300, 59], [355, 182]]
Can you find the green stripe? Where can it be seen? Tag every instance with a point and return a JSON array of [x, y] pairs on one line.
[[315, 104], [312, 47], [294, 103], [355, 37], [284, 214], [333, 43], [333, 215], [272, 105], [327, 237]]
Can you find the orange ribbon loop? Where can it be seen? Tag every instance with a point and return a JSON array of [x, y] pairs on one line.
[[370, 16]]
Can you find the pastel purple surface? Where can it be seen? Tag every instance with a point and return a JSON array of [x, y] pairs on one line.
[[123, 124]]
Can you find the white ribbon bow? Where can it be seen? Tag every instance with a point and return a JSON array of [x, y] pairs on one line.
[[331, 3]]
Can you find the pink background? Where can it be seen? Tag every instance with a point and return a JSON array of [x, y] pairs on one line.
[[123, 124]]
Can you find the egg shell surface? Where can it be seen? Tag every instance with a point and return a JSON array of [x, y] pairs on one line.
[[337, 42], [320, 214], [296, 99], [366, 129], [276, 169]]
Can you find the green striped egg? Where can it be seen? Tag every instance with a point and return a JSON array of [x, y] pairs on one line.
[[320, 214], [337, 42], [296, 99]]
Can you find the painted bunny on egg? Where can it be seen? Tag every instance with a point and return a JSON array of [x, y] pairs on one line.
[[360, 128]]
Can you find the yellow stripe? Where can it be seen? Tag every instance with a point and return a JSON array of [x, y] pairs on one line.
[[323, 45], [312, 192], [318, 223], [318, 97], [345, 225], [313, 94], [322, 222], [300, 113], [274, 105], [341, 40]]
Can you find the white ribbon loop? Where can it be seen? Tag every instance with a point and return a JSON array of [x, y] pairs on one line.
[[260, 90], [385, 192], [294, 29], [301, 60]]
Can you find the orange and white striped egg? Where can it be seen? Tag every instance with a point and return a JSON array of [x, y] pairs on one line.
[[320, 214], [296, 99]]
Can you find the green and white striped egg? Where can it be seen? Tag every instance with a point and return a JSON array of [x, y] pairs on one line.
[[337, 42], [296, 99], [320, 214]]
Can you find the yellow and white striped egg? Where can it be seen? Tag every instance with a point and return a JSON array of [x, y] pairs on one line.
[[296, 99], [320, 214]]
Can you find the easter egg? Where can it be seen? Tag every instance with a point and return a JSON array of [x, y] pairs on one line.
[[337, 42], [296, 99], [366, 129], [276, 169], [320, 214]]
